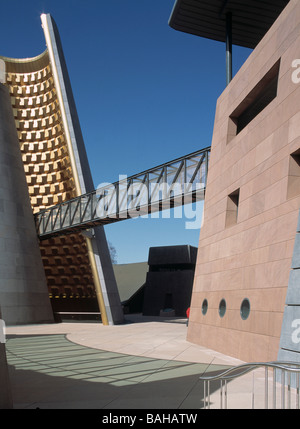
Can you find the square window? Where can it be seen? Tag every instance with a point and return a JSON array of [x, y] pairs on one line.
[[232, 208], [255, 102]]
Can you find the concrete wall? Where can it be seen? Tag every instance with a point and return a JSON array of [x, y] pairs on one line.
[[23, 289], [247, 254], [57, 169], [169, 281], [5, 391]]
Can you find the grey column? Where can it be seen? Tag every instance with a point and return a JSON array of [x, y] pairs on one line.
[[5, 390], [110, 292], [23, 288]]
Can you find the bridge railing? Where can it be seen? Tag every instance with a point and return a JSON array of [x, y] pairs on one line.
[[178, 182], [276, 390]]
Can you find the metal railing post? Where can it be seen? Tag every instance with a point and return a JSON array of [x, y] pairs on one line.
[[274, 388], [221, 394], [297, 391], [289, 390], [283, 389], [253, 390], [288, 382], [266, 388]]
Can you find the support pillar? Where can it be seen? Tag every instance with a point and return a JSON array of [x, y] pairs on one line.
[[228, 47], [5, 390], [23, 290]]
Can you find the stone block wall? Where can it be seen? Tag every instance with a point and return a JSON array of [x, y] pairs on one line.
[[252, 202]]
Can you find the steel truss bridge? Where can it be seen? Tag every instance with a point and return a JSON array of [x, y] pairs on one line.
[[175, 183]]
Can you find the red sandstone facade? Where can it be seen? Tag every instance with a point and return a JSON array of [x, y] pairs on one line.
[[251, 203]]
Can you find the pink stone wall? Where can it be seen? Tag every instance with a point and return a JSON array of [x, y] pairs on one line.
[[252, 257]]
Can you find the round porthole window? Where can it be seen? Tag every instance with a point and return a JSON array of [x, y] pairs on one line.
[[222, 308], [245, 309], [204, 306]]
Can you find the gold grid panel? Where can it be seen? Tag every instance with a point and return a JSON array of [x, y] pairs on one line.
[[48, 168]]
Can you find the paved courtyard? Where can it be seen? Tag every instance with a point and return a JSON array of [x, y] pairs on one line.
[[145, 363]]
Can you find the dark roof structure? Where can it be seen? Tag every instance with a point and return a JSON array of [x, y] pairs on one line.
[[251, 19], [172, 255]]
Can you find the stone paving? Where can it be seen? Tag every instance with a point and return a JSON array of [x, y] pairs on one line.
[[145, 363]]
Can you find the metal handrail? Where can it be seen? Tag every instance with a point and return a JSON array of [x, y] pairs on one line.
[[240, 370]]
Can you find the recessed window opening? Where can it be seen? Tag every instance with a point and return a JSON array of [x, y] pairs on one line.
[[245, 309], [55, 291], [204, 306], [68, 291], [293, 189], [222, 308], [80, 291], [232, 208], [255, 102]]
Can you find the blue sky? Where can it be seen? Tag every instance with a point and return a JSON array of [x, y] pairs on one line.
[[145, 93]]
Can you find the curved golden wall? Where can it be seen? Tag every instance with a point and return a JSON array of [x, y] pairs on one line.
[[48, 168]]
